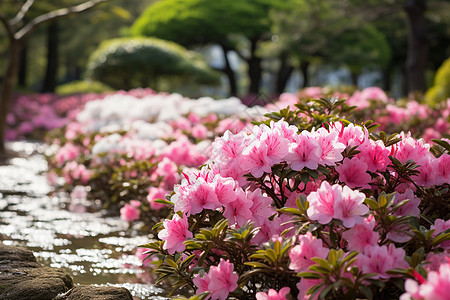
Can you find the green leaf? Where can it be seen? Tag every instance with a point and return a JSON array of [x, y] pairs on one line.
[[350, 256], [325, 292], [382, 200], [163, 201], [309, 275], [171, 263], [366, 292], [441, 237], [442, 143], [319, 269], [157, 225], [277, 247], [256, 264], [272, 254], [289, 211], [372, 203], [332, 258]]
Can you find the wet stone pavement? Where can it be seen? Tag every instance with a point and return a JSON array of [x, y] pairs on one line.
[[93, 248]]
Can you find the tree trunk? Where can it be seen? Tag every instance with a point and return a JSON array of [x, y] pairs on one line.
[[9, 81], [52, 58], [304, 67], [284, 73], [23, 63], [254, 69], [417, 45], [387, 77], [229, 71], [354, 77]]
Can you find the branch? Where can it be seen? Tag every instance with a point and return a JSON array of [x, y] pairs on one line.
[[23, 10], [53, 15], [7, 26]]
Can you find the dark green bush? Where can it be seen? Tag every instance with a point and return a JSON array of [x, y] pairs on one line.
[[440, 91], [127, 63], [83, 87]]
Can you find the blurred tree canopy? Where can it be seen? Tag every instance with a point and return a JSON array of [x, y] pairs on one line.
[[299, 32], [74, 39], [269, 37], [127, 63], [440, 91], [18, 26], [222, 22]]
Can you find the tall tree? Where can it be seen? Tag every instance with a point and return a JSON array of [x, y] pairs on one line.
[[222, 22], [17, 35], [418, 44], [51, 71]]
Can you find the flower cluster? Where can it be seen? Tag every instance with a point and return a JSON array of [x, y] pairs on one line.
[[31, 115], [133, 148], [373, 103], [305, 204]]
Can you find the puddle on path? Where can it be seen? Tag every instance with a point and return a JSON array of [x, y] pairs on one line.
[[93, 248]]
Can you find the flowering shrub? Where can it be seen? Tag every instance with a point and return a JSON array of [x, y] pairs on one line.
[[308, 205], [129, 152], [32, 115], [429, 122]]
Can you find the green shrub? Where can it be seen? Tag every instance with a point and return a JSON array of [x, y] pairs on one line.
[[83, 87], [440, 91], [127, 63]]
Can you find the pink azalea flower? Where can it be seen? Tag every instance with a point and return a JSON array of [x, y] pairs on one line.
[[400, 233], [156, 193], [255, 159], [322, 202], [267, 231], [351, 207], [380, 259], [443, 169], [228, 147], [353, 173], [273, 294], [301, 254], [411, 208], [277, 145], [427, 172], [412, 290], [437, 286], [201, 283], [398, 254], [440, 226], [169, 171], [357, 100], [436, 260], [261, 207], [199, 131], [224, 189], [175, 232], [202, 196], [331, 148], [351, 135], [287, 131], [374, 93], [304, 285], [361, 235], [304, 152], [238, 210], [220, 280], [141, 256], [375, 155], [130, 212], [409, 148], [68, 152]]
